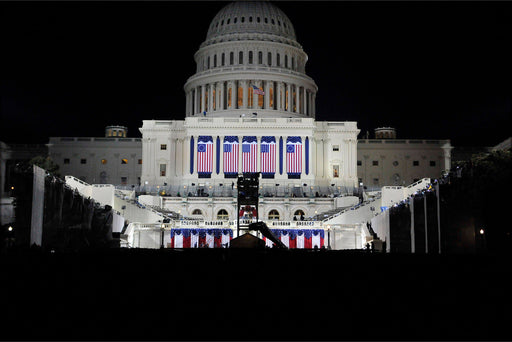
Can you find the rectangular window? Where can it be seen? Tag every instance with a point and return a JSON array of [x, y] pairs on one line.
[[375, 163], [83, 161], [335, 148], [432, 163], [162, 169], [335, 171], [359, 163], [140, 161], [163, 147], [124, 161], [415, 163], [66, 161], [103, 161], [124, 180]]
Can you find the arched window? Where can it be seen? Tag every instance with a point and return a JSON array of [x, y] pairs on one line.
[[260, 57], [293, 63], [231, 58], [243, 19], [250, 57], [214, 61], [298, 215], [250, 19], [269, 59], [227, 23], [285, 61], [223, 59], [241, 57], [278, 62], [208, 64], [234, 21], [197, 212], [273, 215], [222, 215]]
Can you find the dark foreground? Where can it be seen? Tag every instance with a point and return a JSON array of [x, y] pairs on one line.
[[221, 294]]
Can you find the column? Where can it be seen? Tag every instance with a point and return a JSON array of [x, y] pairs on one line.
[[313, 103], [267, 95], [196, 101], [210, 97], [221, 91], [245, 94], [297, 98], [187, 103], [202, 100], [185, 166], [178, 156], [279, 99], [304, 101]]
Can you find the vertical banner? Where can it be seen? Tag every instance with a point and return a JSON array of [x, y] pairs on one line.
[[294, 156], [280, 155], [191, 155], [230, 156], [36, 223], [249, 154], [307, 155], [204, 156], [217, 155], [268, 156]]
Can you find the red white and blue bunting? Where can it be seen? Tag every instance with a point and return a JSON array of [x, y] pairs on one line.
[[200, 237], [298, 238]]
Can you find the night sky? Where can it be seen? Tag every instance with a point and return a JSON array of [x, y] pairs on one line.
[[431, 69]]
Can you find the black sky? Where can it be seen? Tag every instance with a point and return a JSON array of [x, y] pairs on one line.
[[430, 69]]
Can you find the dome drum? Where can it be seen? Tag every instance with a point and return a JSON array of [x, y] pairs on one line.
[[250, 63]]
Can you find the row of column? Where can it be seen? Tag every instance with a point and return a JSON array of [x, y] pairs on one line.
[[227, 95]]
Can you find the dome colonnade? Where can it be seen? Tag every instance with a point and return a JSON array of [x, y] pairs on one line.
[[251, 60]]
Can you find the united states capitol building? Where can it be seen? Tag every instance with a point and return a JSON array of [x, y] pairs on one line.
[[250, 108]]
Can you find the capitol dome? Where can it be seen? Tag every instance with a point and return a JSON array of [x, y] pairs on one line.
[[250, 64], [249, 18]]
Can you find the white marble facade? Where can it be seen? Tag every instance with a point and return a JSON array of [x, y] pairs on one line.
[[250, 45]]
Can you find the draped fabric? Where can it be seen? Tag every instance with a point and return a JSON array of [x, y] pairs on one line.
[[298, 238], [217, 156], [191, 155], [200, 237], [280, 155], [294, 155], [307, 155], [204, 155], [249, 154], [268, 155], [230, 156]]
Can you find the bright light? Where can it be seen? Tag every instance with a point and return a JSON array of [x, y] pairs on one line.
[[9, 229], [481, 232], [12, 187]]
